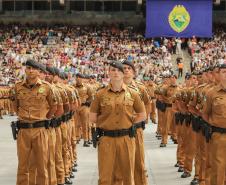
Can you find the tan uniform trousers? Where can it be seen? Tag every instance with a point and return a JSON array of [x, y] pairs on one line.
[[218, 159], [33, 173], [70, 128], [140, 177], [84, 121], [74, 138], [208, 164], [73, 141], [32, 141], [173, 128], [181, 144], [140, 172], [116, 156], [167, 124], [153, 111], [59, 157], [52, 154], [65, 149], [160, 121], [202, 149], [190, 148]]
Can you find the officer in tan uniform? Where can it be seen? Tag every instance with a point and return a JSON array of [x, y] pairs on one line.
[[51, 134], [113, 113], [1, 102], [215, 113], [86, 96], [35, 104], [151, 92], [216, 80], [54, 127], [62, 151], [70, 126], [129, 75], [167, 98]]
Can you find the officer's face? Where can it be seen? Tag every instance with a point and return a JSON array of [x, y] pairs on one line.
[[173, 80], [55, 79], [128, 71], [49, 77], [194, 80], [216, 74], [42, 75], [115, 74], [31, 73], [223, 76], [79, 80]]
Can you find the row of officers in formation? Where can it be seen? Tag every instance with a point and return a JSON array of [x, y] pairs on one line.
[[54, 114]]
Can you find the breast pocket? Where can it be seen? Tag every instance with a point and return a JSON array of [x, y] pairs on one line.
[[38, 99], [106, 107], [128, 105], [22, 98], [219, 106]]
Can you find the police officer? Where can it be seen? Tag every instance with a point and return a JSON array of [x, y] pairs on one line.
[[86, 96], [129, 75], [35, 103], [113, 113], [215, 113]]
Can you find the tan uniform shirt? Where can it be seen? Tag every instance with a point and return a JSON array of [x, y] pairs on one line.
[[33, 103], [115, 110], [142, 91], [85, 93], [216, 107], [63, 94]]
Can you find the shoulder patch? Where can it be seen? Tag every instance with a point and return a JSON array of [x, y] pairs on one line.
[[138, 82]]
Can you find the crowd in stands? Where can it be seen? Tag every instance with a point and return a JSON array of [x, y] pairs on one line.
[[88, 50]]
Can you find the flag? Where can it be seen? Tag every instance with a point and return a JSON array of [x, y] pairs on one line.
[[178, 18], [61, 2]]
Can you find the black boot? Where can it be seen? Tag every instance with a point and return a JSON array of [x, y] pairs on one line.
[[90, 142], [86, 144], [185, 175], [194, 182], [72, 175], [75, 164], [180, 169], [74, 169], [162, 145], [68, 180], [177, 165]]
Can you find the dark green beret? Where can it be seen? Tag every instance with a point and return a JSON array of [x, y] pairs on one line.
[[42, 67], [126, 62], [79, 75], [223, 66], [117, 65], [50, 70], [33, 64]]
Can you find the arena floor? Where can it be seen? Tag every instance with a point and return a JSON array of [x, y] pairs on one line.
[[159, 161]]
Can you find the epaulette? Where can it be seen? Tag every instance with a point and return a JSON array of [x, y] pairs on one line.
[[134, 88], [138, 82], [101, 87], [202, 85]]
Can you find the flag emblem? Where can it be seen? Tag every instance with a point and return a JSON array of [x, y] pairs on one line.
[[179, 18]]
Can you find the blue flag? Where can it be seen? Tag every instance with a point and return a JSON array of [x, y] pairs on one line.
[[178, 18]]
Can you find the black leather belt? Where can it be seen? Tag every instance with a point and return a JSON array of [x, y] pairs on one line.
[[140, 125], [55, 122], [219, 130], [118, 133], [168, 105], [39, 124]]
